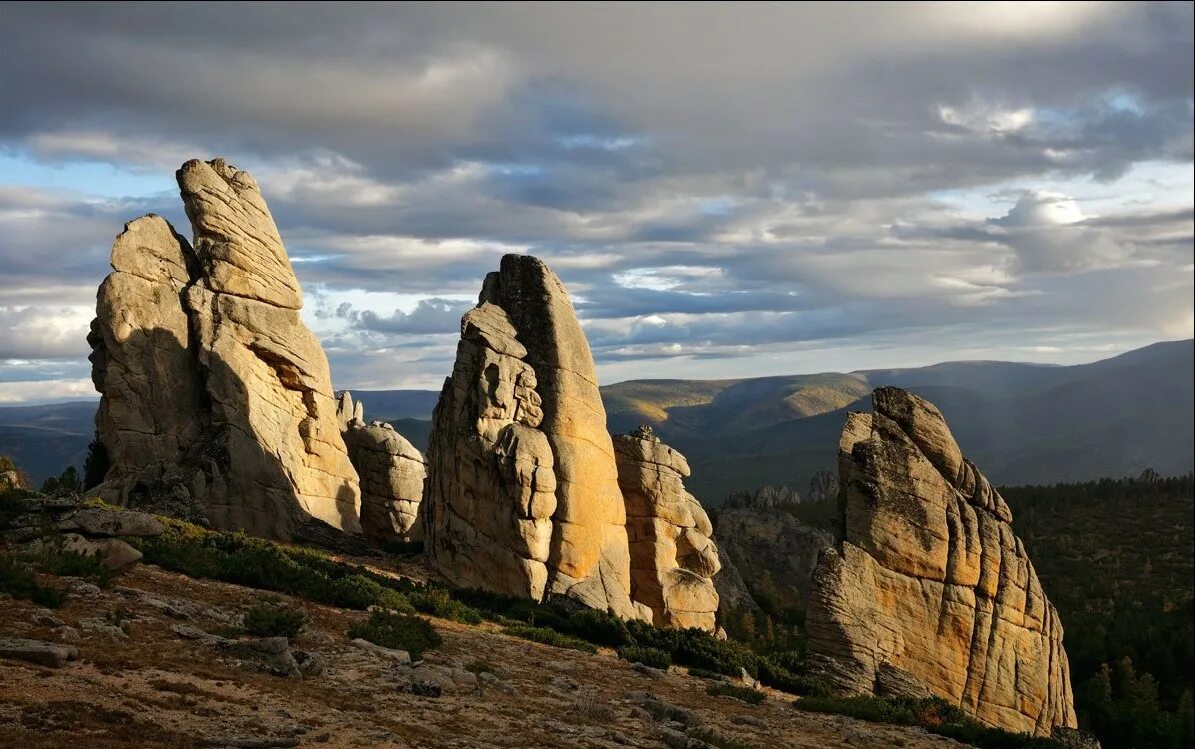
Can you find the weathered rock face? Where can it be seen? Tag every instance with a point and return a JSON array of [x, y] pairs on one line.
[[930, 588], [774, 553], [766, 498], [391, 472], [673, 557], [522, 493], [217, 400], [823, 486]]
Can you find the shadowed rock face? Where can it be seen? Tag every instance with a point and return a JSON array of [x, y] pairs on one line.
[[523, 492], [673, 557], [930, 590], [217, 400], [391, 471]]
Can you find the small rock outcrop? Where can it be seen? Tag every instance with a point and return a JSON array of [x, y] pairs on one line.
[[391, 471], [59, 524], [823, 486], [765, 498], [217, 400], [673, 556], [522, 492], [929, 590]]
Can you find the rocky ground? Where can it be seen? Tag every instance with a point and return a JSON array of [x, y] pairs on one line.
[[139, 681]]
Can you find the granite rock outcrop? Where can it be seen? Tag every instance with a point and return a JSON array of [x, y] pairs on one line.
[[391, 472], [673, 556], [522, 493], [929, 590], [217, 402]]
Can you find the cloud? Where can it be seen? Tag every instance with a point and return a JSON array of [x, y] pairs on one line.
[[734, 186]]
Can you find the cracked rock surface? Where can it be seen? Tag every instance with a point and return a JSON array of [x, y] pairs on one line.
[[217, 399], [523, 493], [929, 588]]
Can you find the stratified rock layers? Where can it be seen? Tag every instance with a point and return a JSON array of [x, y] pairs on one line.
[[523, 493], [391, 471], [930, 587], [673, 556], [217, 399]]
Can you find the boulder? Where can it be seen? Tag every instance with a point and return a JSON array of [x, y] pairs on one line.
[[673, 557], [113, 553], [929, 590], [35, 651], [216, 399], [391, 471], [97, 521], [522, 492]]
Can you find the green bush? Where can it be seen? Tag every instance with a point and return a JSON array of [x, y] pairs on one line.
[[549, 637], [439, 602], [783, 671], [257, 563], [274, 620], [52, 558], [743, 694], [696, 647], [600, 628], [413, 634], [704, 673], [647, 656], [18, 581]]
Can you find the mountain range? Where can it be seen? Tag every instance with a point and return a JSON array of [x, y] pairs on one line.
[[1022, 423]]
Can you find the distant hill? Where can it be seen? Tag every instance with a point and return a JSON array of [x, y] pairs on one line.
[[1023, 423]]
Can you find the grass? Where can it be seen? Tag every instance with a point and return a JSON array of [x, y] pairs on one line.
[[647, 656], [933, 714], [274, 620], [743, 694], [398, 631], [549, 637]]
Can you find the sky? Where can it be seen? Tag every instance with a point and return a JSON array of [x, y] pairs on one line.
[[727, 190]]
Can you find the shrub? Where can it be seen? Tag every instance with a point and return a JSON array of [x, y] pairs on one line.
[[398, 631], [601, 628], [647, 656], [274, 620], [696, 647], [744, 694], [439, 602], [791, 680], [257, 563], [19, 582], [549, 637], [703, 673], [52, 558]]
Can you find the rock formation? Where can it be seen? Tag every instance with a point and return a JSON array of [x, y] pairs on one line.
[[522, 494], [217, 400], [673, 556], [391, 472], [929, 590], [777, 551], [823, 486], [766, 498]]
